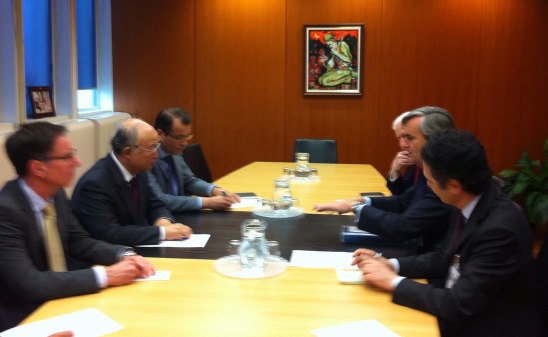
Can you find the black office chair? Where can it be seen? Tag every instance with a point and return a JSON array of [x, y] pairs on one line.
[[321, 150], [542, 279], [195, 159]]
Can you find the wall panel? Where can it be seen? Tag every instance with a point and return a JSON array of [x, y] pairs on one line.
[[237, 66]]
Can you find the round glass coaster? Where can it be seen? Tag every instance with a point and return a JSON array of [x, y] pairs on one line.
[[230, 266], [268, 212]]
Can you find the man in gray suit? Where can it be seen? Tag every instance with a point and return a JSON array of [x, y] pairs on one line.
[[171, 178], [33, 268]]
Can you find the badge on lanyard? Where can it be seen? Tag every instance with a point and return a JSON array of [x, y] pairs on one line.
[[454, 272]]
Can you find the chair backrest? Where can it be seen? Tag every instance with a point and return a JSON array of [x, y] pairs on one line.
[[321, 150], [195, 159]]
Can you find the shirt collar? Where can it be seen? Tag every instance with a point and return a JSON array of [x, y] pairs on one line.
[[468, 209], [127, 176], [37, 202]]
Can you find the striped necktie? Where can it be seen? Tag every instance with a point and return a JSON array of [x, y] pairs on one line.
[[52, 240]]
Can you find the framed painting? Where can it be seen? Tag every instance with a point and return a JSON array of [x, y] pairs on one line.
[[42, 102], [333, 59]]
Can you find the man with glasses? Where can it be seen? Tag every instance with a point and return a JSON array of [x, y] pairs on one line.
[[39, 236], [171, 178], [113, 200]]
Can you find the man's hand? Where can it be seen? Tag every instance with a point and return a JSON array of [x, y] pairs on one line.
[[400, 160], [146, 268], [233, 197], [340, 207], [177, 231], [121, 273], [217, 202], [376, 269]]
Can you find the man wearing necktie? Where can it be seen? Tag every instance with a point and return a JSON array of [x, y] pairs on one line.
[[416, 214], [171, 178], [113, 199], [486, 257], [403, 173], [38, 232]]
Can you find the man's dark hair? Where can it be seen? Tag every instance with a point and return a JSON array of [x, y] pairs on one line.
[[33, 141], [164, 120], [454, 154]]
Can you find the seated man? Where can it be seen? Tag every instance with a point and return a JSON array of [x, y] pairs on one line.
[[486, 258], [38, 231], [171, 178], [403, 174], [113, 200], [418, 213]]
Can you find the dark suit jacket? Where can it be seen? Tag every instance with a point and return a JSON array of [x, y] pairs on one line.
[[25, 282], [403, 183], [496, 293], [418, 213], [189, 184], [102, 203]]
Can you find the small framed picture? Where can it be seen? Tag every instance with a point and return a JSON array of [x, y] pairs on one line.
[[42, 102], [333, 59]]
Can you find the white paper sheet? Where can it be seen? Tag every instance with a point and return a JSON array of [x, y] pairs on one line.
[[356, 329], [315, 259], [246, 202], [161, 275], [84, 323], [195, 240]]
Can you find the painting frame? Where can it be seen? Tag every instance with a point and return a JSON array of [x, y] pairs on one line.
[[41, 101], [333, 60]]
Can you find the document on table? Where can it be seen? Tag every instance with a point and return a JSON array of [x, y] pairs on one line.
[[356, 329], [161, 275], [86, 323], [246, 202], [195, 240], [315, 259]]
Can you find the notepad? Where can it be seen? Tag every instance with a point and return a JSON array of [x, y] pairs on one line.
[[195, 240], [88, 322], [368, 327], [317, 259]]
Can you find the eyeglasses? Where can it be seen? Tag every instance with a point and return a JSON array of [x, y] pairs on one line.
[[153, 149], [180, 137], [66, 157]]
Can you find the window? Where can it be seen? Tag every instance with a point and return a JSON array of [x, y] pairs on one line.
[[43, 41]]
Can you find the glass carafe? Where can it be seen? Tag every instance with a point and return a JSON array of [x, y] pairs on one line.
[[282, 199], [253, 248]]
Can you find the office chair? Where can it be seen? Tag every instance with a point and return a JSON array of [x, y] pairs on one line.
[[542, 280], [321, 150], [195, 159]]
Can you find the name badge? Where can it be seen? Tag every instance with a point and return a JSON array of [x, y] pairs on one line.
[[454, 272]]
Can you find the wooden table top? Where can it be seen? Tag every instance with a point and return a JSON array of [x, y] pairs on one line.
[[198, 301], [337, 181]]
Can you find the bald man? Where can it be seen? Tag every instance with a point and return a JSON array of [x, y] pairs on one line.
[[113, 200]]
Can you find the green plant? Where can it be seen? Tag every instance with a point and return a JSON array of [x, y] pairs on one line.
[[528, 186]]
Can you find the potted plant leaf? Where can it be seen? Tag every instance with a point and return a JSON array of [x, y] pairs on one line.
[[528, 186]]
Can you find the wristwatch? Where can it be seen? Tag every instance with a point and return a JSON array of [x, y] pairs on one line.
[[128, 252], [356, 206]]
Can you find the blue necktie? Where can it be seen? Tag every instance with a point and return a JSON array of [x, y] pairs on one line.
[[170, 172]]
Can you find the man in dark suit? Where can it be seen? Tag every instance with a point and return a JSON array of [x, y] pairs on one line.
[[32, 268], [403, 174], [113, 200], [486, 258], [171, 178], [416, 214]]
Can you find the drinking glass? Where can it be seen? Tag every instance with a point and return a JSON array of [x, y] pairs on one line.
[[273, 248], [233, 247]]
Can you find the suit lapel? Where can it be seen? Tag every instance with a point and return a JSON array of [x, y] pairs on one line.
[[124, 190], [478, 214]]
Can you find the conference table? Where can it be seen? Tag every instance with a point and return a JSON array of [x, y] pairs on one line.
[[199, 301], [336, 181]]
